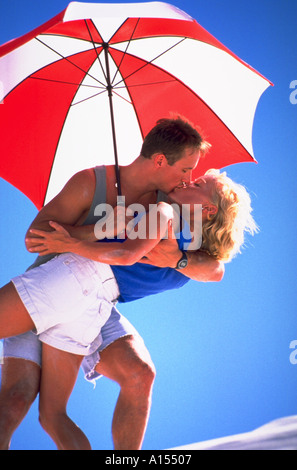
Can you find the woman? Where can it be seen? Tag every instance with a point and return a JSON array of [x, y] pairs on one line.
[[91, 286]]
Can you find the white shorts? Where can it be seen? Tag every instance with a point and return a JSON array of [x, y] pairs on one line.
[[28, 346], [69, 299]]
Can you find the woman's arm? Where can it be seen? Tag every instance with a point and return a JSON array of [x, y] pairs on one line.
[[150, 230], [201, 266]]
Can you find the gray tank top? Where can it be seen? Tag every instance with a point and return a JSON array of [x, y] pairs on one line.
[[91, 219], [99, 195]]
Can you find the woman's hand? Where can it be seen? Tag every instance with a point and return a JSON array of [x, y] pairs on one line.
[[58, 241]]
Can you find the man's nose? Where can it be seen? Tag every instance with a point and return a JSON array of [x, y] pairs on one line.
[[187, 178]]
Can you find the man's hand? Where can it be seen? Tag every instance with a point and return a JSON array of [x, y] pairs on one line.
[[58, 241]]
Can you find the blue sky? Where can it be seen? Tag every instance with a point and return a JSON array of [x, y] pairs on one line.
[[222, 351]]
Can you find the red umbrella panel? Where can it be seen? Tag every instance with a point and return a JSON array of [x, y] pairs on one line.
[[85, 88]]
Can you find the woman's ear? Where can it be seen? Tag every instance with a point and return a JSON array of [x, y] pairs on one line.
[[210, 209]]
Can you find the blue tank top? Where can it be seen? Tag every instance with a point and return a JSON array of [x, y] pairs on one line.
[[141, 280]]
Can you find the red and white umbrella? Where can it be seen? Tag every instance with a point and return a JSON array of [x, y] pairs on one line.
[[85, 88]]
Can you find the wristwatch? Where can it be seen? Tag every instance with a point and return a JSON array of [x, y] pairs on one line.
[[183, 262]]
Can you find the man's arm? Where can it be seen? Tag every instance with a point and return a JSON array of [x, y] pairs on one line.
[[126, 253], [68, 208]]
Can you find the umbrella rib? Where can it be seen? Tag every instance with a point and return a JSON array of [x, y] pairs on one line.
[[125, 52], [89, 97], [122, 97], [67, 59], [98, 57], [150, 62], [66, 83], [148, 84]]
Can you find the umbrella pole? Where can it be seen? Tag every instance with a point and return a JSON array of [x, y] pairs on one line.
[[109, 90]]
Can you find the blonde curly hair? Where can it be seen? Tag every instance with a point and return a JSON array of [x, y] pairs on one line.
[[223, 234]]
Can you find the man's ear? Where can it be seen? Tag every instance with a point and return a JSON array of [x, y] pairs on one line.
[[159, 159]]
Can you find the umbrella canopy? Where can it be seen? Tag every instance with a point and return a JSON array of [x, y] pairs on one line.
[[86, 87]]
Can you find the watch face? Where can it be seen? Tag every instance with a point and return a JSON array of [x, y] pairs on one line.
[[182, 264]]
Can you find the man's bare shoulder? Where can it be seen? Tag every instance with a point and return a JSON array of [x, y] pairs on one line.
[[83, 182], [87, 176], [78, 190]]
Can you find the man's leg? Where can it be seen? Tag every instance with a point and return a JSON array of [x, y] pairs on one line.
[[20, 381], [128, 362], [59, 373]]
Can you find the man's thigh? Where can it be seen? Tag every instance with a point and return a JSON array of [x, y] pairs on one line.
[[20, 379], [20, 370], [122, 353], [26, 346]]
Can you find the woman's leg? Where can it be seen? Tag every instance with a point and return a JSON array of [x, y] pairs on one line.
[[19, 387], [59, 373], [14, 318]]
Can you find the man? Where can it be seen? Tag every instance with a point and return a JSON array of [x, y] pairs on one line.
[[169, 154]]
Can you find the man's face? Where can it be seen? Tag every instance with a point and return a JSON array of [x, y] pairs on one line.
[[180, 172]]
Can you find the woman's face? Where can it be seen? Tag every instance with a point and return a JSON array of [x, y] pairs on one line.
[[200, 191]]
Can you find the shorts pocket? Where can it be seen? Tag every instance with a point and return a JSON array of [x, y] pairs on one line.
[[83, 272], [68, 286]]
